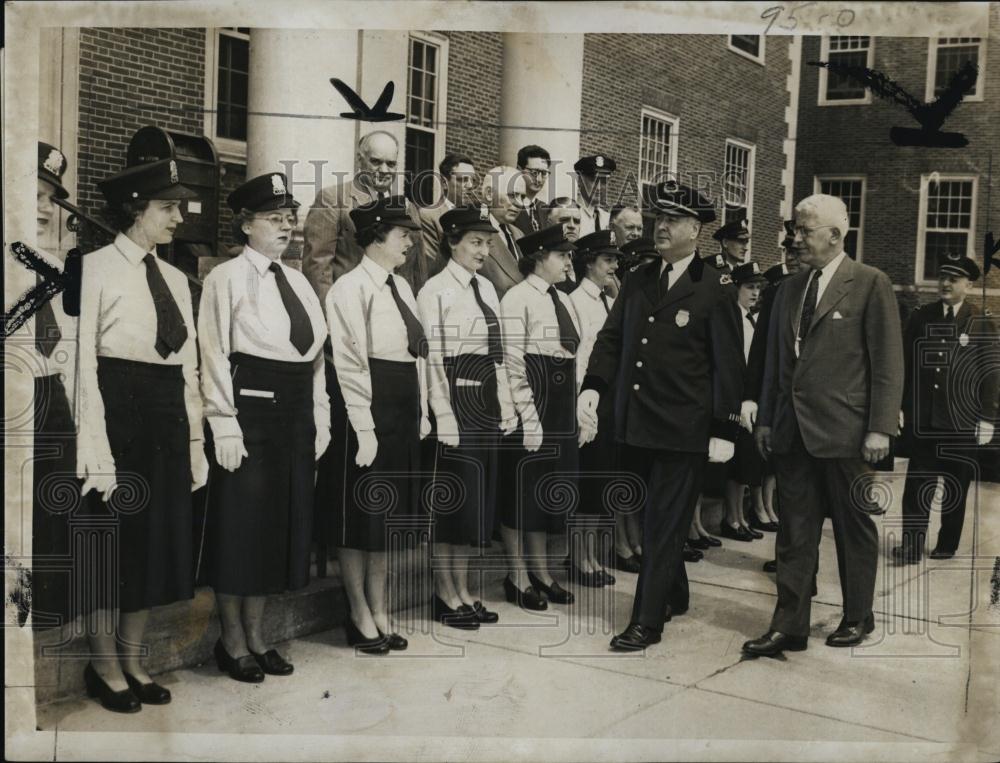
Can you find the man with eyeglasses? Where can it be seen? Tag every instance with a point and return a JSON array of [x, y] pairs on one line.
[[833, 384], [534, 162], [503, 191], [330, 248]]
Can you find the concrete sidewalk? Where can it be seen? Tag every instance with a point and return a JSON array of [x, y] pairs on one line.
[[923, 687]]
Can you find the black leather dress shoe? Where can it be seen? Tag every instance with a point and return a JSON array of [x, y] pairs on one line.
[[755, 534], [627, 564], [484, 615], [606, 577], [463, 619], [711, 540], [851, 634], [692, 554], [528, 599], [590, 579], [771, 566], [768, 526], [376, 645], [699, 543], [907, 554], [396, 642], [635, 638], [554, 593], [941, 553], [775, 642], [273, 663], [735, 533], [243, 668], [148, 694], [123, 701]]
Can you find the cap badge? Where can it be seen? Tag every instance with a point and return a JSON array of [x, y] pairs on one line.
[[743, 225], [54, 161], [278, 185], [173, 172], [682, 318], [963, 339], [725, 278], [953, 256], [484, 212], [756, 269], [612, 239], [599, 161]]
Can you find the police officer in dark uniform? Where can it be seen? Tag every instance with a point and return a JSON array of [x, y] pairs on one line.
[[949, 399], [635, 254], [670, 353], [734, 238]]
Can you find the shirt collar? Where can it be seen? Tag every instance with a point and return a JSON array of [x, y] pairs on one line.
[[831, 267], [131, 250], [590, 288], [376, 272], [955, 308], [680, 266], [260, 262], [460, 274], [538, 282]]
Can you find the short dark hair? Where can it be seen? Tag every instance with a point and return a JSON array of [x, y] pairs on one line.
[[239, 219], [450, 161], [561, 201], [582, 259], [123, 214], [368, 236], [617, 209], [532, 152], [527, 262], [448, 240]]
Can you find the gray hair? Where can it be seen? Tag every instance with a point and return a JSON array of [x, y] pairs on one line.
[[366, 140], [828, 210]]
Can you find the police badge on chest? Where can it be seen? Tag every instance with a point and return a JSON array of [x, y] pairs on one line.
[[682, 318]]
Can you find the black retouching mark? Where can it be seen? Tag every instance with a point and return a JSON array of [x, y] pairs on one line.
[[361, 110], [995, 584], [931, 116], [990, 247], [20, 593], [53, 282]]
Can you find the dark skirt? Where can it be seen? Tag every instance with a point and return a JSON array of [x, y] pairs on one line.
[[599, 464], [56, 501], [747, 466], [463, 497], [330, 467], [258, 527], [382, 499], [147, 427], [545, 481]]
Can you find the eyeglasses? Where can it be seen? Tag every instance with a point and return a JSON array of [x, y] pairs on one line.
[[278, 220], [803, 231], [538, 173]]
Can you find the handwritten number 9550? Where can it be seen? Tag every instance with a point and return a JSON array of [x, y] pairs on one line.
[[843, 18]]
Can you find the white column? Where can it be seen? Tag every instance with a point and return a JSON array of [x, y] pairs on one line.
[[542, 88]]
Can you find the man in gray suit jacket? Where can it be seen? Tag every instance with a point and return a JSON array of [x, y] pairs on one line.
[[503, 190], [833, 383]]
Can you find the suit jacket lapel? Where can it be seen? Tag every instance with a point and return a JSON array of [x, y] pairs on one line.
[[796, 295], [963, 318], [506, 259], [839, 286]]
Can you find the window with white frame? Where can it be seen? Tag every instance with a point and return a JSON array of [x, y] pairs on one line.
[[425, 98], [657, 155], [949, 54], [227, 69], [749, 45], [947, 221], [851, 190], [737, 181], [835, 88]]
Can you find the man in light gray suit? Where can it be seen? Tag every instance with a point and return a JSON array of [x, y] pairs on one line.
[[503, 190], [458, 178], [833, 383]]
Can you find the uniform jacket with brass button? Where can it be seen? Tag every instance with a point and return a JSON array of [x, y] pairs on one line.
[[674, 362]]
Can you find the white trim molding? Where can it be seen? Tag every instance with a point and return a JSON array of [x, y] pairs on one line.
[[824, 55], [934, 44], [971, 243]]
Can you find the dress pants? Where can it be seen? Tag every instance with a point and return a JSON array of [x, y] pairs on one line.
[[809, 489], [930, 459], [673, 482]]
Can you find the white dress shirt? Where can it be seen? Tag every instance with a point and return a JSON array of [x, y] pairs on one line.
[[586, 298], [118, 320], [588, 216], [530, 327], [827, 275], [364, 323], [680, 268], [954, 308], [241, 311]]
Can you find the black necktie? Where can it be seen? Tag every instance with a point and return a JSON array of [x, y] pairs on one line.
[[597, 219], [301, 332], [510, 242], [949, 313], [809, 305], [416, 340], [47, 333], [568, 337], [665, 279], [492, 325], [171, 333], [752, 320], [604, 299]]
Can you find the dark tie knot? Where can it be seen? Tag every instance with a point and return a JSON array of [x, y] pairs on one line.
[[274, 267]]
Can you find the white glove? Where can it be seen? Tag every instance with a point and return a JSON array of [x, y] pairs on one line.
[[322, 441], [587, 434], [586, 408], [720, 451], [508, 424], [447, 430], [984, 432], [103, 483], [533, 436], [229, 452], [367, 448], [199, 464], [748, 415], [425, 427]]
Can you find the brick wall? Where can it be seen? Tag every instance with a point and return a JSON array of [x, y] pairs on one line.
[[715, 93], [474, 77], [855, 140]]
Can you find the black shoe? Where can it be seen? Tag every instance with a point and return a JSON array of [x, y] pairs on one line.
[[396, 642], [635, 638], [273, 663], [699, 543], [692, 554], [606, 577], [355, 638], [711, 540], [554, 593], [527, 599], [484, 615], [772, 566], [463, 619], [123, 701], [775, 642], [590, 579], [627, 563], [768, 526], [851, 634], [941, 553], [755, 534], [243, 668], [735, 533], [907, 554], [148, 694]]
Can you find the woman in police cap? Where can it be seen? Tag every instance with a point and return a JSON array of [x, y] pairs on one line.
[[541, 337], [379, 349], [262, 331], [460, 310], [140, 430]]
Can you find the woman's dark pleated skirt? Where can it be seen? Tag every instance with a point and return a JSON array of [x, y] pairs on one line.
[[464, 493], [150, 511], [258, 527], [545, 482]]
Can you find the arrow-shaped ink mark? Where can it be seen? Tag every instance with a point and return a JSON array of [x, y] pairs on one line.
[[361, 110], [54, 282], [990, 247]]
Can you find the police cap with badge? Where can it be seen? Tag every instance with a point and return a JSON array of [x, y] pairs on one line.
[[599, 242], [158, 180], [592, 166], [463, 219], [736, 230], [956, 264], [390, 210], [51, 168], [748, 272], [551, 239], [262, 194], [672, 198]]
